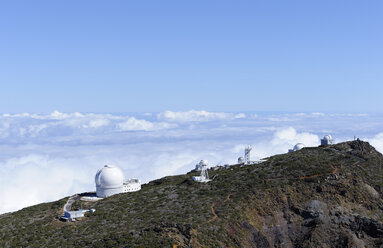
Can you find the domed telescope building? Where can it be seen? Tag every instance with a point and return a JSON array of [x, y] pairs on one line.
[[297, 147], [327, 140], [110, 181]]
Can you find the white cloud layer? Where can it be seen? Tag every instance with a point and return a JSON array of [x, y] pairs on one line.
[[377, 142], [47, 157], [132, 124], [198, 116]]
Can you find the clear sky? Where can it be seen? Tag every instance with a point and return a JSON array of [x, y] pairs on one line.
[[136, 56]]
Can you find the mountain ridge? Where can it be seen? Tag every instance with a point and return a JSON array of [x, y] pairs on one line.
[[326, 196]]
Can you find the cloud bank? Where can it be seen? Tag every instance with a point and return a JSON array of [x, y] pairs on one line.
[[198, 116], [44, 157]]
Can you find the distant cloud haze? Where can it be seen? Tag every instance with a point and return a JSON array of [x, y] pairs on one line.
[[198, 116], [44, 157]]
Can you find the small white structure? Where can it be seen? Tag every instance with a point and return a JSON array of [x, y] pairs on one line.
[[247, 155], [241, 160], [297, 147], [110, 181], [72, 215], [132, 185], [204, 178], [327, 140], [90, 198]]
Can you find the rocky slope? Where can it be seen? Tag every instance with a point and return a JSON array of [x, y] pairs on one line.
[[327, 196]]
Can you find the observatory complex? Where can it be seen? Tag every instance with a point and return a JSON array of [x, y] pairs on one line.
[[327, 140], [110, 181], [245, 160]]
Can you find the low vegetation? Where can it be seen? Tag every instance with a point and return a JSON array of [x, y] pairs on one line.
[[329, 196]]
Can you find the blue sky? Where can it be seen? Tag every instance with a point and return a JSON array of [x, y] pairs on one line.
[[137, 56], [155, 86]]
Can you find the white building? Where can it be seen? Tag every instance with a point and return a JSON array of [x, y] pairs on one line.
[[297, 147], [327, 140], [204, 177], [72, 215], [246, 158], [132, 185], [110, 181]]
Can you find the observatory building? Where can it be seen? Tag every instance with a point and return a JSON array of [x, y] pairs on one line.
[[246, 158], [110, 181], [297, 147], [327, 140], [204, 177], [132, 185]]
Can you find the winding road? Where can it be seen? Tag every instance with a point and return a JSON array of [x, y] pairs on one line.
[[68, 204]]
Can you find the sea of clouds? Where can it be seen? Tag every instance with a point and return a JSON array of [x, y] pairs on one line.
[[45, 157]]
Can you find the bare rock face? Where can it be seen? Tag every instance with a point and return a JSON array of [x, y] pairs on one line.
[[315, 213]]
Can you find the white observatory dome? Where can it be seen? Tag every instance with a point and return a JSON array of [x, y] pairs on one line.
[[327, 140], [109, 176], [109, 181], [298, 146]]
